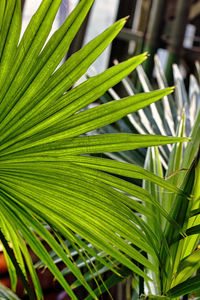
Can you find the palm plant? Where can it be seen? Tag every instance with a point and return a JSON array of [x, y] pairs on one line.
[[162, 117], [50, 188], [178, 253]]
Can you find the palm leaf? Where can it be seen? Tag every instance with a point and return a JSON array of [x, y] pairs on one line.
[[189, 286], [180, 114], [46, 177]]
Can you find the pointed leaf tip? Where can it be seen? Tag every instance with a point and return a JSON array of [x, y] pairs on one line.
[[169, 90], [147, 54], [126, 18], [173, 88]]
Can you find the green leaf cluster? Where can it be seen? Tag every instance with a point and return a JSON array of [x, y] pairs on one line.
[[50, 188], [177, 247]]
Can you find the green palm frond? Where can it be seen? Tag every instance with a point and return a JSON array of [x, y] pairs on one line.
[[176, 116], [162, 117], [47, 178]]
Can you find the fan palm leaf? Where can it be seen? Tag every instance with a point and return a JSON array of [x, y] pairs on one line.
[[46, 176], [177, 116]]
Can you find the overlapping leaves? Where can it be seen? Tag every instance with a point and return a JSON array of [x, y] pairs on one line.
[[45, 179], [178, 253]]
